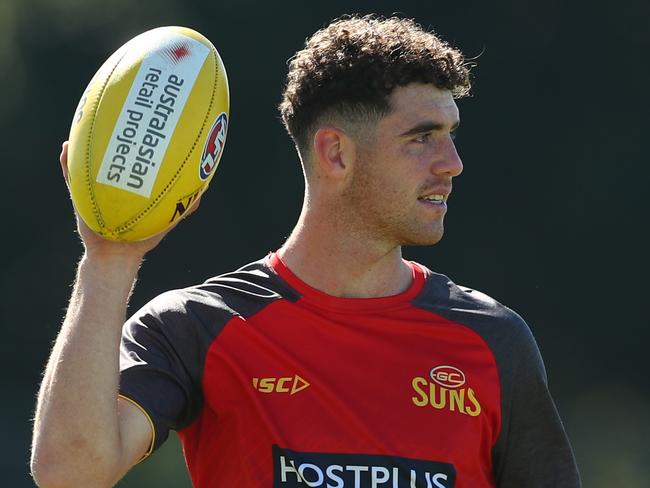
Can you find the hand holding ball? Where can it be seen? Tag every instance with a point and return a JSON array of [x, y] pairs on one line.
[[148, 134]]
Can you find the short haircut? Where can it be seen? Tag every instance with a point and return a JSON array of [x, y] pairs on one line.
[[349, 69]]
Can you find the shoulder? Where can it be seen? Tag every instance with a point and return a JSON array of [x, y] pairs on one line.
[[501, 327], [441, 295], [240, 292], [200, 312]]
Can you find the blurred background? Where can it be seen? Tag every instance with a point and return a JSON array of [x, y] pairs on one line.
[[548, 216]]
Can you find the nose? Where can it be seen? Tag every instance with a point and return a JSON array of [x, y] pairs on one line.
[[449, 162]]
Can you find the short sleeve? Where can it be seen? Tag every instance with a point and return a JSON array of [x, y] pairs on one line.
[[165, 344], [162, 356], [533, 449]]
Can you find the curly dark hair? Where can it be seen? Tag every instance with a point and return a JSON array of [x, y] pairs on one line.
[[350, 68]]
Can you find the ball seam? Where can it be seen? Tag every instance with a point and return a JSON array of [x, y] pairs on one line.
[[98, 215]]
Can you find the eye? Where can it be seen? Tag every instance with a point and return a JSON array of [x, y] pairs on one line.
[[453, 134], [422, 138]]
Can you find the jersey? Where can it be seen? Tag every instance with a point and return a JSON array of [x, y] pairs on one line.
[[272, 383]]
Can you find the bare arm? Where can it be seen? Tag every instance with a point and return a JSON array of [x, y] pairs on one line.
[[78, 436], [83, 435]]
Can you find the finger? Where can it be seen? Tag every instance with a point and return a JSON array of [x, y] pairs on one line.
[[63, 159]]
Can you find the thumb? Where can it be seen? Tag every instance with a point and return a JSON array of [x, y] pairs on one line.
[[63, 159]]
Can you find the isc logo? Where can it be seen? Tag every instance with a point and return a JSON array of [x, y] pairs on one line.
[[285, 384]]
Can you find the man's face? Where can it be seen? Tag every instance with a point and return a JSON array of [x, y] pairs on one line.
[[403, 174]]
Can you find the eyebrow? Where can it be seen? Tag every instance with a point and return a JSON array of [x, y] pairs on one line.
[[428, 126]]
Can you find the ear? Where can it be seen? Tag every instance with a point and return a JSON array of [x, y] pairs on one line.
[[334, 152]]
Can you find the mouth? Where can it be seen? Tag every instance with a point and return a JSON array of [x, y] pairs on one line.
[[435, 198]]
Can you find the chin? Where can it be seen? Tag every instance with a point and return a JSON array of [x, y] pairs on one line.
[[428, 239]]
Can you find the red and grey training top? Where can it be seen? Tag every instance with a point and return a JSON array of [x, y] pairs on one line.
[[272, 383]]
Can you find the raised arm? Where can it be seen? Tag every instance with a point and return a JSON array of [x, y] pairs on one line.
[[83, 434]]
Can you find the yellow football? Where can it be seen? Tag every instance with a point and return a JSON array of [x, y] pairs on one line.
[[148, 133]]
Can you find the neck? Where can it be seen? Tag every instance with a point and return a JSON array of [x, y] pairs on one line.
[[325, 253]]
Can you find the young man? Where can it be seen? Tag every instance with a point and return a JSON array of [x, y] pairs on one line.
[[332, 362]]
